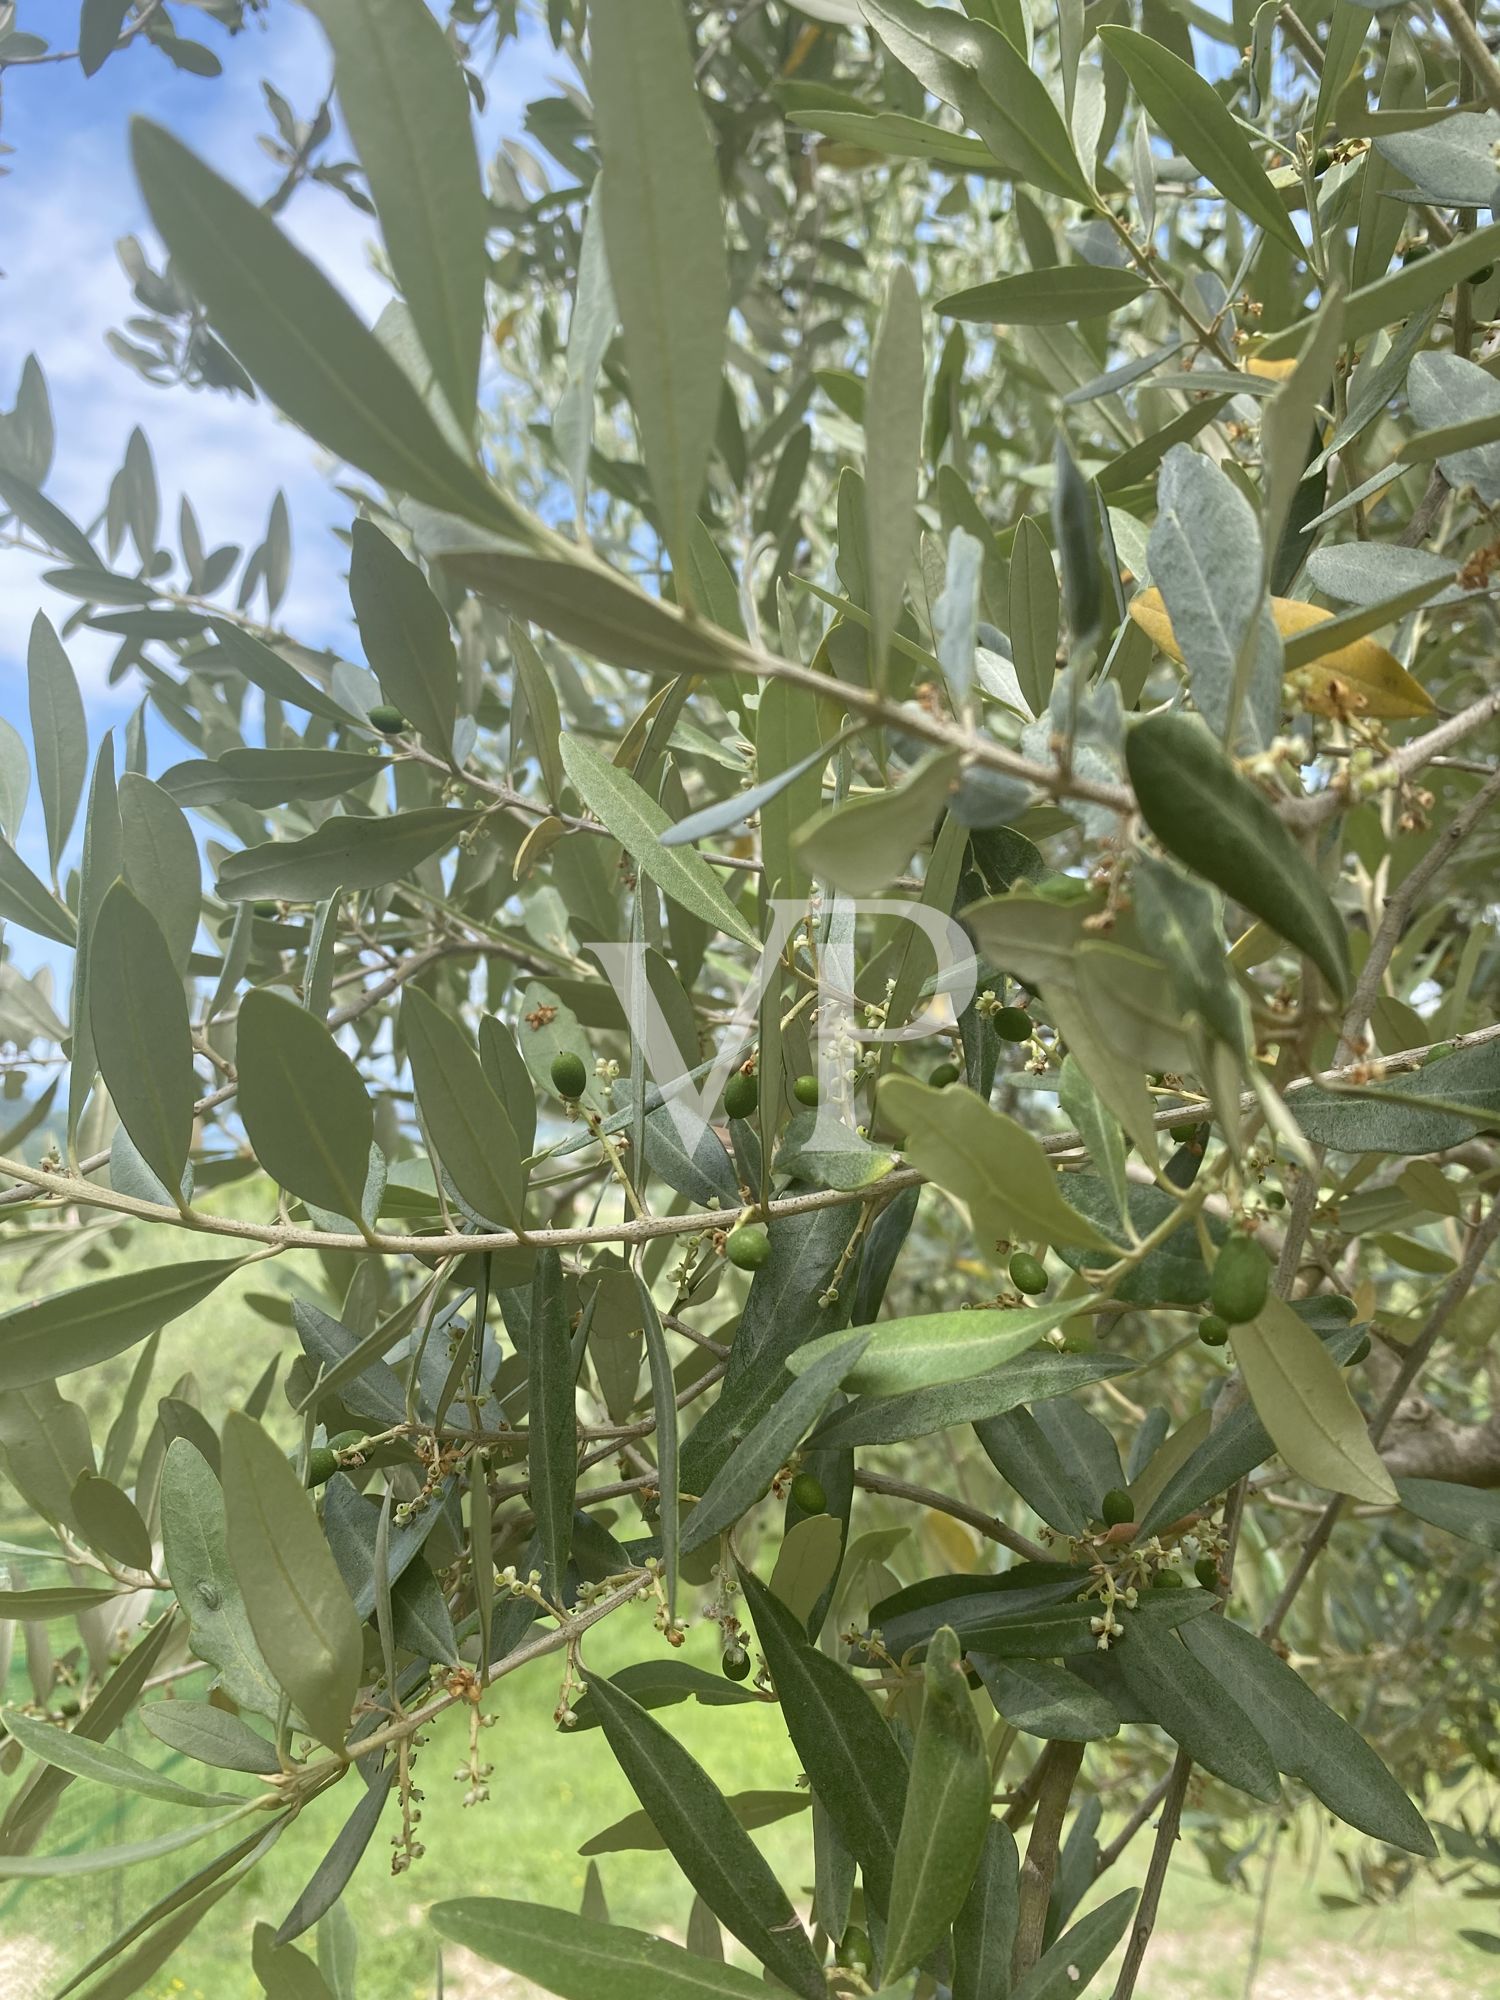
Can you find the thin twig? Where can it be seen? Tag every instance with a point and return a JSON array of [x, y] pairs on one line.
[[1156, 1875]]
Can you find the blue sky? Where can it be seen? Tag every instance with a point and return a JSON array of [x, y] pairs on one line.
[[69, 197]]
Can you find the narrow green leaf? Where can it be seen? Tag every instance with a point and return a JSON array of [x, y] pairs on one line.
[[59, 734], [663, 1403], [926, 1348], [1046, 1700], [344, 853], [1199, 123], [303, 1103], [404, 629], [578, 1959], [406, 105], [65, 1601], [159, 861], [993, 1165], [893, 459], [985, 1931], [1205, 813], [270, 777], [268, 671], [947, 1813], [1301, 1396], [211, 1735], [299, 1610], [552, 1457], [196, 1554], [1067, 1966], [591, 327], [46, 519], [863, 845], [465, 1119], [1400, 293], [755, 1461], [101, 1762], [331, 1876], [109, 1521], [895, 1419], [1035, 600], [707, 1841], [1056, 297], [664, 233], [298, 338], [72, 1330], [851, 1759], [26, 901], [1469, 1511], [637, 1832], [100, 1860], [1153, 1673], [1308, 1739], [638, 822], [142, 1038]]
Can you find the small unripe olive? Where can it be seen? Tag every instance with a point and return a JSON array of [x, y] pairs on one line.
[[1361, 1352], [748, 1247], [1168, 1579], [1117, 1507], [569, 1077], [347, 1440], [1482, 275], [389, 721], [1206, 1569], [1212, 1330], [808, 1494], [1274, 1198], [1322, 160], [805, 1090], [1241, 1280], [736, 1665], [321, 1465], [741, 1096], [1028, 1274], [944, 1074], [268, 909], [1012, 1024], [853, 1950]]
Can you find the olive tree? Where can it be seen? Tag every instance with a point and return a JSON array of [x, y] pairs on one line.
[[858, 1007]]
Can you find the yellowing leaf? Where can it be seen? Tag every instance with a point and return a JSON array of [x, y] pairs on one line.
[[1271, 371], [1374, 674]]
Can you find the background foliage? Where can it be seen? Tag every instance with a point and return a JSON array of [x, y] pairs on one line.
[[1024, 464]]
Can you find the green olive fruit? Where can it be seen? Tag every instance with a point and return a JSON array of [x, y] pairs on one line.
[[1361, 1352], [1012, 1024], [1206, 1569], [736, 1665], [805, 1090], [1212, 1330], [1168, 1579], [808, 1494], [1241, 1280], [267, 909], [853, 1950], [944, 1074], [1322, 160], [1483, 275], [1028, 1274], [1117, 1507], [1274, 1198], [347, 1440], [321, 1466], [569, 1077], [389, 721], [741, 1096], [748, 1247]]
